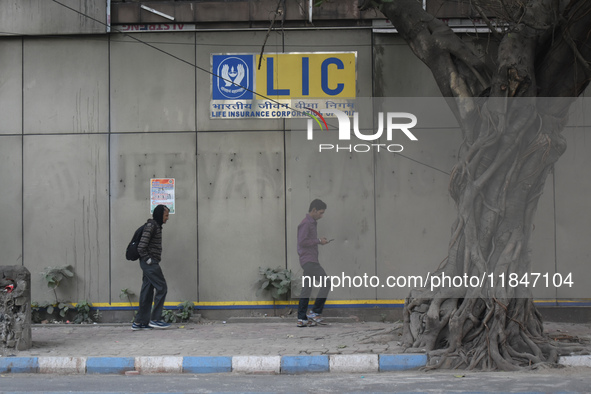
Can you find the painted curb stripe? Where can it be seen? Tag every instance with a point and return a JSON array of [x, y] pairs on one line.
[[166, 364], [207, 364], [19, 365], [354, 363], [110, 365], [255, 364], [62, 365], [402, 362], [221, 364], [304, 364], [575, 361]]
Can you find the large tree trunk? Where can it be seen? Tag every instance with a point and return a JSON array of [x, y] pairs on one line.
[[490, 321], [511, 112]]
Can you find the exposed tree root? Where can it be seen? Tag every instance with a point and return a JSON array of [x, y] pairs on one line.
[[484, 335]]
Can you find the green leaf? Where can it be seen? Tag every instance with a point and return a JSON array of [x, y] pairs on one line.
[[274, 293], [49, 309]]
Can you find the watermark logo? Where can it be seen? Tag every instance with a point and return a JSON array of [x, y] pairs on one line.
[[395, 122]]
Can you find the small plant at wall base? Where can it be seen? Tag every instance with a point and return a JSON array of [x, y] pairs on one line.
[[54, 276], [184, 313], [83, 313], [36, 312], [126, 293], [277, 282], [49, 307]]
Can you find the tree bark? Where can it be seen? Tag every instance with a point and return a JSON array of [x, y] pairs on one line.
[[511, 112]]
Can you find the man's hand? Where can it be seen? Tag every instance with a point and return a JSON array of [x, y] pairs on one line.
[[323, 241]]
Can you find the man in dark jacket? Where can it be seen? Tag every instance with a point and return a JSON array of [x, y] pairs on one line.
[[154, 287]]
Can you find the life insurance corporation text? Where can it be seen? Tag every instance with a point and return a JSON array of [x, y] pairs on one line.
[[440, 280]]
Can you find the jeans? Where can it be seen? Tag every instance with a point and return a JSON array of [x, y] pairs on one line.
[[152, 281], [314, 271]]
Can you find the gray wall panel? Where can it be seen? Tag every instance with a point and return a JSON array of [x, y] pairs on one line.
[[229, 42], [150, 89], [398, 72], [573, 188], [542, 244], [29, 17], [66, 219], [414, 210], [12, 201], [343, 181], [11, 80], [389, 214], [346, 183], [66, 88], [241, 212], [135, 159]]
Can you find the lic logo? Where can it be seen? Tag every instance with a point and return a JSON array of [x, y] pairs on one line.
[[233, 79]]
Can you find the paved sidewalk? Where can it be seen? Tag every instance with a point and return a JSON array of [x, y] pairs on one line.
[[271, 345], [270, 337]]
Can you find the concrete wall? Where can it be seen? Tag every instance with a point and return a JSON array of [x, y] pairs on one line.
[[88, 120], [30, 17]]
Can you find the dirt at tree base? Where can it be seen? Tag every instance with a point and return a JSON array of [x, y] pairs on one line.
[[570, 333]]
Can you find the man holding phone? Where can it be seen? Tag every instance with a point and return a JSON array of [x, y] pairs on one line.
[[308, 242]]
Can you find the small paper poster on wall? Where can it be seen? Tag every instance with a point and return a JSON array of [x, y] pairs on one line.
[[162, 192]]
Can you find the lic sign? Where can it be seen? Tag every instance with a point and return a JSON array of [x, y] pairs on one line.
[[307, 75], [236, 82], [251, 85]]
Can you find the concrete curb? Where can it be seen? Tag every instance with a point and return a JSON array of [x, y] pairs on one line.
[[575, 361], [340, 363]]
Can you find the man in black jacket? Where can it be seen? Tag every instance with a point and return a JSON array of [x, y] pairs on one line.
[[150, 250]]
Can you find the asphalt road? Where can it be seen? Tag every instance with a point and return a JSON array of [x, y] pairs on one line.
[[575, 380]]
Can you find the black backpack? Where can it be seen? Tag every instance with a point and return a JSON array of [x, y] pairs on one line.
[[131, 253]]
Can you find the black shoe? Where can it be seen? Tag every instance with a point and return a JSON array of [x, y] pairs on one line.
[[138, 327]]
